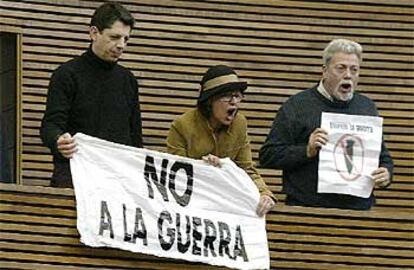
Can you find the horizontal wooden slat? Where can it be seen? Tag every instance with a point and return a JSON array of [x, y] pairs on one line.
[[37, 227], [276, 47]]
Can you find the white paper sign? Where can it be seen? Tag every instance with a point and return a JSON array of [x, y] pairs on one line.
[[165, 205], [351, 154]]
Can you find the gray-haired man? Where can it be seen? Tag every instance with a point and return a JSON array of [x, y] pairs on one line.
[[295, 139]]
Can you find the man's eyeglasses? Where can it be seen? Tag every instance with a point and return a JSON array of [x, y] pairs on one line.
[[237, 97]]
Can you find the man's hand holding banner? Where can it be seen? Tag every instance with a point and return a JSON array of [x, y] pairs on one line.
[[165, 205]]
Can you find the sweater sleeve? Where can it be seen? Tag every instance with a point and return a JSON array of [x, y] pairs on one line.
[[176, 143], [245, 161], [136, 122], [58, 105], [281, 149], [385, 159]]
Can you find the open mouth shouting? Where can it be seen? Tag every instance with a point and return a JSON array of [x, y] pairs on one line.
[[231, 114], [345, 90], [345, 87], [223, 112]]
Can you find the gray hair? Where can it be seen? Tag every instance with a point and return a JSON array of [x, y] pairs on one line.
[[341, 45]]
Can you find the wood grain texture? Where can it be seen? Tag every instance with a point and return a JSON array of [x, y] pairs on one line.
[[276, 46]]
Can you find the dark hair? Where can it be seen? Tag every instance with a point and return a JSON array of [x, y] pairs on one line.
[[205, 108], [108, 13]]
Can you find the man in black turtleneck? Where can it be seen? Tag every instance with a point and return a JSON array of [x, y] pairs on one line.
[[93, 94], [295, 139]]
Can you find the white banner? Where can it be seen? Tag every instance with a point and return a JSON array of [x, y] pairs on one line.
[[165, 205], [351, 154]]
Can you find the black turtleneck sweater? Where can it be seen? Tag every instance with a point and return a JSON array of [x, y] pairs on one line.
[[285, 148], [94, 97]]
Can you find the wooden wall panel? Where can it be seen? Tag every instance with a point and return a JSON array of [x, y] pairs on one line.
[[275, 45]]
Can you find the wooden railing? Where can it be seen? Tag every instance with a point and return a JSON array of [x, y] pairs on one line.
[[38, 231]]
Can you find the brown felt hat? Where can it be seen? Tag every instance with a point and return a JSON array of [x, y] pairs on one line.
[[219, 79]]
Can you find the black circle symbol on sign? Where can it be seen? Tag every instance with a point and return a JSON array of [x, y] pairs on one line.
[[348, 155]]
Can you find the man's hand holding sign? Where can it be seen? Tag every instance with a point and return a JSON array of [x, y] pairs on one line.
[[317, 139], [381, 177]]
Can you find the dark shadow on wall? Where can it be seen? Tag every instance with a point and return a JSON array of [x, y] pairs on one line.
[[8, 107]]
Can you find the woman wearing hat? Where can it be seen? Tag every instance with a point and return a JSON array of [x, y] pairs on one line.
[[216, 130]]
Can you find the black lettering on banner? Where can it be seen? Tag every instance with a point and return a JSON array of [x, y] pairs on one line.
[[224, 239], [196, 235], [180, 245], [165, 215], [127, 236], [210, 237], [151, 172], [105, 225], [188, 168], [139, 222], [239, 250]]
